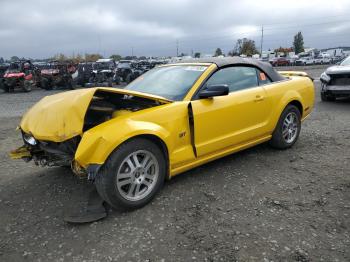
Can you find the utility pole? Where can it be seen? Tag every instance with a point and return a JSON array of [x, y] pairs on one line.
[[262, 39], [177, 47]]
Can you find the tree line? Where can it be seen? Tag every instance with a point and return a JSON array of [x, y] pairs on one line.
[[243, 46]]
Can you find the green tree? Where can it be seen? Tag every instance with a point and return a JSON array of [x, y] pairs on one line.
[[60, 57], [14, 58], [78, 58], [115, 57], [244, 46], [92, 57], [197, 55], [298, 43], [248, 47], [218, 52]]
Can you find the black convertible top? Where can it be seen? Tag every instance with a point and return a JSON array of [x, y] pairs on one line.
[[236, 60]]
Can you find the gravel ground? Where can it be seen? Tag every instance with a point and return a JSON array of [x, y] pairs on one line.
[[256, 205]]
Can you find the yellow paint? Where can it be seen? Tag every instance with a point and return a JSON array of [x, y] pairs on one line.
[[222, 125]]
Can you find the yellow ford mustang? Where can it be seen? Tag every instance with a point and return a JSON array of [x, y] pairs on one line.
[[171, 119]]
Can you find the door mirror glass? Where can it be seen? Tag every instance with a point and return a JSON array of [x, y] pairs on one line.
[[214, 90]]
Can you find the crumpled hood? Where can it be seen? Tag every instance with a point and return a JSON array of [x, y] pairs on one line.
[[61, 116], [338, 69]]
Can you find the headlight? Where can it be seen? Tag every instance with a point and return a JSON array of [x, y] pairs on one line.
[[29, 139], [325, 78]]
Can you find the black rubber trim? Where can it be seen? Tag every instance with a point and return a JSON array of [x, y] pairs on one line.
[[191, 122]]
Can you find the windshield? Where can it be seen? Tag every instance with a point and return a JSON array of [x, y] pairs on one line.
[[346, 62], [123, 65], [171, 82], [14, 68], [103, 65]]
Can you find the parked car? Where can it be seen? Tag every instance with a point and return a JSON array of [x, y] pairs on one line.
[[303, 61], [280, 61], [335, 81], [20, 75], [57, 74], [320, 60], [103, 72], [174, 118]]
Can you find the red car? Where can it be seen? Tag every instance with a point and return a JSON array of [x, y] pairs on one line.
[[280, 61]]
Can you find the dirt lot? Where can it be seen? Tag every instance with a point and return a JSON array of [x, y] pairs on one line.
[[257, 205]]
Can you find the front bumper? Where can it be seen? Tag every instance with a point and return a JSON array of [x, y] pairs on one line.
[[336, 90]]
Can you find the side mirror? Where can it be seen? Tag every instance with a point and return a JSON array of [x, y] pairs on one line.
[[214, 90]]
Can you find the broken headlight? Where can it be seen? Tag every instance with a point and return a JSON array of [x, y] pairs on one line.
[[29, 139], [325, 78]]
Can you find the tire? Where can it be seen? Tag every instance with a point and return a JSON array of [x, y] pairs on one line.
[[71, 85], [128, 78], [27, 86], [6, 88], [282, 140], [119, 196], [45, 84]]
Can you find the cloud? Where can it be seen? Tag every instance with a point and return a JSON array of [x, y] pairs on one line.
[[40, 28]]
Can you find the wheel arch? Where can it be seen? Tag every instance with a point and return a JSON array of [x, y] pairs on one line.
[[298, 105], [158, 142], [96, 148], [289, 99]]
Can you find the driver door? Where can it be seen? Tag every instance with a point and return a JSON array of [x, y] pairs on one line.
[[237, 118]]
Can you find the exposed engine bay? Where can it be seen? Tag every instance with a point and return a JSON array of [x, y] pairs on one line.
[[104, 106]]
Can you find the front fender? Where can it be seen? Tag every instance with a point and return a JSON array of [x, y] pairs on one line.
[[99, 142]]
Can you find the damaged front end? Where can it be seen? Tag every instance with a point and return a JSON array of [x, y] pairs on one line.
[[53, 128], [46, 153]]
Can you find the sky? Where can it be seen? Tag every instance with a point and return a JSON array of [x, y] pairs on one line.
[[43, 28]]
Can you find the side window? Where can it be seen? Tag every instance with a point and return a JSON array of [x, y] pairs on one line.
[[237, 78], [263, 78]]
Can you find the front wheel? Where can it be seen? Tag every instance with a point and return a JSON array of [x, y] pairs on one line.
[[288, 128], [27, 86], [132, 175]]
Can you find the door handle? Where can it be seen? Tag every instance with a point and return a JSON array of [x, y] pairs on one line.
[[258, 98]]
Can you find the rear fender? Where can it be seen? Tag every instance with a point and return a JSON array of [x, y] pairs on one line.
[[288, 97]]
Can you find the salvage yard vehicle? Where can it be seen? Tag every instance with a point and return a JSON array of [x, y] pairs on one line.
[[57, 74], [124, 71], [83, 73], [335, 81], [103, 71], [20, 75], [3, 68], [173, 118]]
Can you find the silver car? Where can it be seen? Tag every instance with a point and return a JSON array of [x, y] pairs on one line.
[[335, 81]]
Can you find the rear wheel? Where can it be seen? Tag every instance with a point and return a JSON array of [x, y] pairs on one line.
[[288, 128], [6, 88], [45, 84], [27, 86], [132, 175]]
